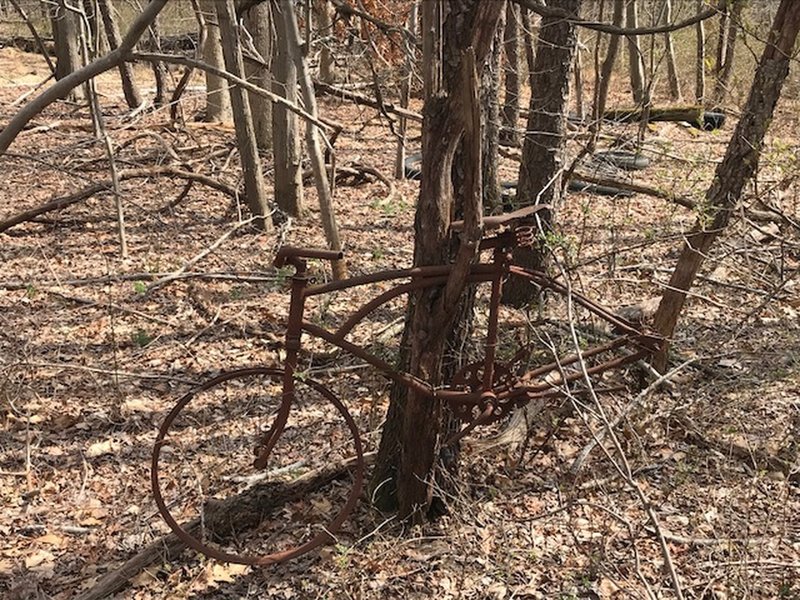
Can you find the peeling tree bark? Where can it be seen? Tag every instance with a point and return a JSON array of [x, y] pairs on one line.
[[415, 422], [736, 169]]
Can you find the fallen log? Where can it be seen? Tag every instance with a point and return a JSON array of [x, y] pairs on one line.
[[696, 116]]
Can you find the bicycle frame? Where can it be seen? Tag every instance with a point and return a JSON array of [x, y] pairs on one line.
[[491, 400]]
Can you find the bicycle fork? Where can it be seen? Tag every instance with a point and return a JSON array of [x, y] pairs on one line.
[[292, 345]]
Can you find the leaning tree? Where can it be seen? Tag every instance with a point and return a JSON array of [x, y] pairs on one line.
[[736, 169]]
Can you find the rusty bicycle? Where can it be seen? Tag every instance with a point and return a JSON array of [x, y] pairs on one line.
[[268, 416]]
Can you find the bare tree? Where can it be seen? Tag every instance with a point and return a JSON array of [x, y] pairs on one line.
[[635, 63], [724, 71], [509, 133], [286, 138], [324, 193], [405, 90], [607, 70], [490, 110], [323, 11], [131, 92], [218, 102], [542, 151], [66, 35], [669, 49], [100, 65], [254, 187], [258, 23], [409, 452], [736, 169], [700, 59]]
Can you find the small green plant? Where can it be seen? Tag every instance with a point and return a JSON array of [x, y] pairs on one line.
[[31, 291], [139, 287], [141, 338], [387, 206]]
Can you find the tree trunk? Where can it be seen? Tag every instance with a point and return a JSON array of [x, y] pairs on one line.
[[66, 36], [736, 169], [527, 40], [327, 66], [132, 95], [159, 68], [635, 54], [607, 70], [258, 21], [724, 76], [722, 40], [254, 188], [405, 91], [490, 109], [669, 49], [700, 59], [578, 70], [218, 101], [542, 151], [316, 157], [450, 111], [287, 153], [509, 132]]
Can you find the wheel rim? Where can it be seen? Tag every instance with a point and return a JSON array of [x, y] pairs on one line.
[[163, 441]]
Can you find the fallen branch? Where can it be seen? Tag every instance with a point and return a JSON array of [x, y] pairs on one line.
[[107, 186], [337, 92], [761, 216], [234, 514], [243, 276], [194, 260]]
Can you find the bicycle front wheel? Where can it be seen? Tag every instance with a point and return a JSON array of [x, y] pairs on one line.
[[212, 498]]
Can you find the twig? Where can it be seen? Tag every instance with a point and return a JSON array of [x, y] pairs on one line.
[[622, 466], [110, 305], [580, 459], [220, 521], [197, 258], [115, 373], [104, 186], [244, 276]]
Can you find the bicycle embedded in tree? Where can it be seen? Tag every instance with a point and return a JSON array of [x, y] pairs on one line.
[[274, 415]]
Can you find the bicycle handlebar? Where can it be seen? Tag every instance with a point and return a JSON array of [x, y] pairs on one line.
[[293, 254]]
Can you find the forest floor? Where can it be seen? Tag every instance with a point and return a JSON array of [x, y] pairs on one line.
[[93, 355]]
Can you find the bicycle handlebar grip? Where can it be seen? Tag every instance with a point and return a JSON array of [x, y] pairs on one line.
[[290, 254]]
